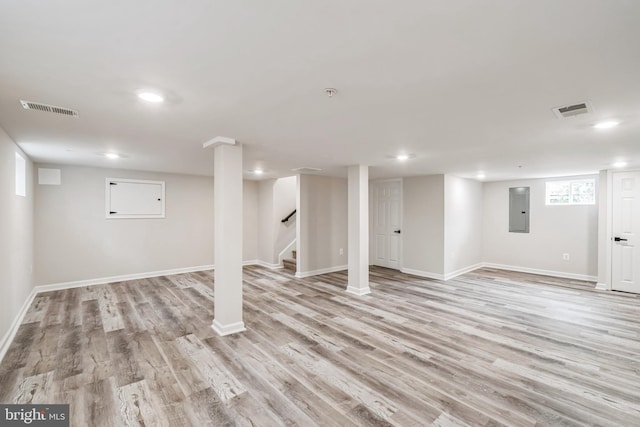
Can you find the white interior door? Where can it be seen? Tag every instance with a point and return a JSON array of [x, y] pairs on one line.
[[625, 257], [387, 220]]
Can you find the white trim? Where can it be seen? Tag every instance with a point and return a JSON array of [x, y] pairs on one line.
[[609, 232], [358, 291], [219, 140], [420, 273], [463, 270], [303, 274], [224, 330], [449, 276], [263, 264], [146, 275], [291, 246], [542, 272], [111, 279], [602, 287], [17, 321]]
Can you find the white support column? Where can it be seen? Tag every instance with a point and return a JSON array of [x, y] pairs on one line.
[[358, 226], [227, 188]]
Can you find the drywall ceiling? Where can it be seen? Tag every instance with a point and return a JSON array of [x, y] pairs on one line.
[[462, 86]]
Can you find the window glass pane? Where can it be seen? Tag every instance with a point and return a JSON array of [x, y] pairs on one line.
[[558, 193], [21, 176], [583, 192]]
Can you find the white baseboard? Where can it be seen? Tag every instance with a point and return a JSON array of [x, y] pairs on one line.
[[135, 276], [358, 291], [463, 270], [541, 272], [263, 264], [224, 330], [449, 276], [303, 274], [420, 273], [112, 279], [602, 287], [17, 321]]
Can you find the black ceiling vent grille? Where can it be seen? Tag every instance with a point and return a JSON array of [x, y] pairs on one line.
[[573, 110], [28, 105]]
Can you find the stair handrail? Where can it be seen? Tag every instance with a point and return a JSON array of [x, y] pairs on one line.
[[285, 219]]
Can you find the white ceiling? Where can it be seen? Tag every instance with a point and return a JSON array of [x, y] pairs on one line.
[[463, 86]]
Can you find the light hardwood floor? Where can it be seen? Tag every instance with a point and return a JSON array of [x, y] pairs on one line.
[[485, 349]]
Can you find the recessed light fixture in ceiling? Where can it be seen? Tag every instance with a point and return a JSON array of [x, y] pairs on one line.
[[258, 171], [151, 97], [112, 155], [606, 125], [481, 175], [401, 157], [620, 164]]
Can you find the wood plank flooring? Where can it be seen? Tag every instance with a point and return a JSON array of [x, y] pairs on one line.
[[489, 348]]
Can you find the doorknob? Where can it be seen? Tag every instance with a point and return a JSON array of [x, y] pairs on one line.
[[619, 239], [396, 231]]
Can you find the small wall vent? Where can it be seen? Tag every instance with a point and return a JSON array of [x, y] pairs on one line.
[[28, 105], [573, 110]]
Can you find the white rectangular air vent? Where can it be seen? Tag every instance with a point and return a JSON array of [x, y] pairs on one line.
[[28, 105], [573, 110]]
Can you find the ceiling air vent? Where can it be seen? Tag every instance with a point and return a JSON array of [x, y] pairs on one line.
[[573, 110], [28, 105]]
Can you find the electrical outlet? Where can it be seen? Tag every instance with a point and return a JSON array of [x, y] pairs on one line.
[[565, 257], [341, 251]]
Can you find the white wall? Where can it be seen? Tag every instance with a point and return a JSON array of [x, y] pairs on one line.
[[250, 213], [423, 225], [265, 221], [604, 230], [75, 242], [463, 224], [322, 223], [16, 236], [554, 230]]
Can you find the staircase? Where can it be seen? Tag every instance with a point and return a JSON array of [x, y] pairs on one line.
[[290, 263]]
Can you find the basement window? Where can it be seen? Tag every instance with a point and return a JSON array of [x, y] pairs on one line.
[[574, 192], [21, 176]]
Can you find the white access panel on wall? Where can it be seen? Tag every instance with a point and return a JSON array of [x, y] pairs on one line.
[[134, 198]]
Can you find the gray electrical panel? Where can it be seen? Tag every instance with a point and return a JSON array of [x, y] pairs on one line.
[[519, 210]]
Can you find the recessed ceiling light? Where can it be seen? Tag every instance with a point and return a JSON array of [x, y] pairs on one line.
[[481, 175], [619, 164], [150, 97], [112, 155], [258, 171], [402, 157], [606, 125]]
